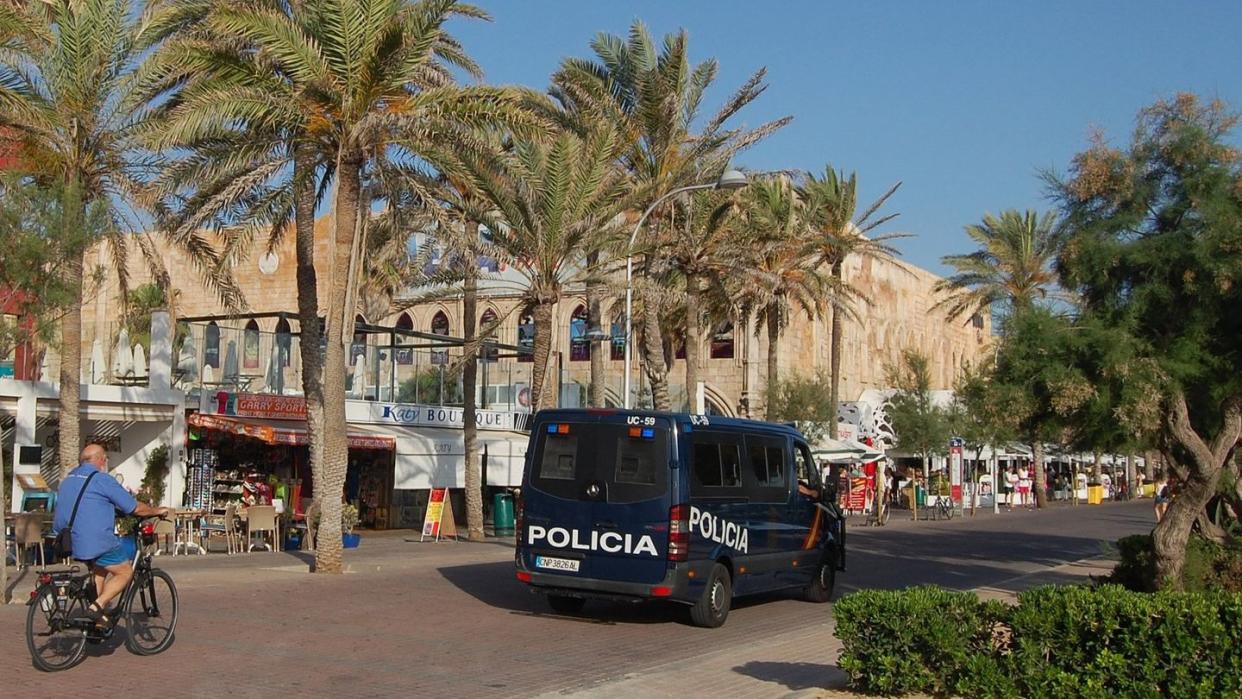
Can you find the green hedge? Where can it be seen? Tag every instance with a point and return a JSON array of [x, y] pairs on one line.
[[1057, 642], [1209, 566]]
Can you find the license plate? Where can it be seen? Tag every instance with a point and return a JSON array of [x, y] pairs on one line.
[[556, 563]]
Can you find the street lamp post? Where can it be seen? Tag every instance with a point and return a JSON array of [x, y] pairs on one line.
[[729, 179]]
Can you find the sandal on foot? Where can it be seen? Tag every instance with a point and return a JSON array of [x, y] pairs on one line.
[[99, 616]]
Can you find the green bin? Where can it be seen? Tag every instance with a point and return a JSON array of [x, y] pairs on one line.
[[502, 514], [920, 496]]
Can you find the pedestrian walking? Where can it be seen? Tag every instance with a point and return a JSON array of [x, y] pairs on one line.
[[1011, 487], [1163, 496], [1024, 488]]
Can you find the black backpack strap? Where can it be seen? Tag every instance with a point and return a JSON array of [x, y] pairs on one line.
[[74, 515]]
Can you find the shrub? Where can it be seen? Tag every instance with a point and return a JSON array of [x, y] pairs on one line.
[[1058, 642], [1209, 566], [917, 640]]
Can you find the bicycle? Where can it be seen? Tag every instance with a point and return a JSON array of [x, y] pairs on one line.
[[58, 626], [878, 516], [944, 507]]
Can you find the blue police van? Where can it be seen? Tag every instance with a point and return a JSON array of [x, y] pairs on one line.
[[695, 509]]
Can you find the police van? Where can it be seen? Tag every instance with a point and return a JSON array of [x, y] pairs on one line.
[[695, 509]]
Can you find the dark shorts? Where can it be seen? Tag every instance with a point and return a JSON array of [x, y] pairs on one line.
[[123, 552]]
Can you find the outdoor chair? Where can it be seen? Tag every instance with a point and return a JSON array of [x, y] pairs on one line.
[[261, 519], [28, 534], [221, 525], [165, 537]]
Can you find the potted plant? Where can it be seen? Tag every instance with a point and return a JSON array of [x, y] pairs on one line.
[[349, 520]]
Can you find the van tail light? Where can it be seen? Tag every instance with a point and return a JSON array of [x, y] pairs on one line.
[[148, 529], [517, 519], [678, 532]]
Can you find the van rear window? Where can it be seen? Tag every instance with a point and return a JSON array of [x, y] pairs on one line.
[[627, 467], [558, 457]]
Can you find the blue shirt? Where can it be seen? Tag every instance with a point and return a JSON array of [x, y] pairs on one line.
[[94, 529]]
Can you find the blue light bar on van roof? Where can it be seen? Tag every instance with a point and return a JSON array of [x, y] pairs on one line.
[[555, 428], [648, 433]]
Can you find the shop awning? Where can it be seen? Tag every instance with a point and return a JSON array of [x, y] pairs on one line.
[[279, 432]]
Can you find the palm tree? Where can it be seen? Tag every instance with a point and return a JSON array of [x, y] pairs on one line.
[[1011, 270], [654, 96], [67, 99], [703, 253], [832, 203], [781, 271], [364, 84], [549, 205]]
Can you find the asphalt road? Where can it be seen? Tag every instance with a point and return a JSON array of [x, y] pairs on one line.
[[418, 619]]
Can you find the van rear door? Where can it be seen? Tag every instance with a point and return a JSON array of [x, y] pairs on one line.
[[599, 492]]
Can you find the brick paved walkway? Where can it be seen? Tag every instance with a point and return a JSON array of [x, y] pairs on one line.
[[417, 619]]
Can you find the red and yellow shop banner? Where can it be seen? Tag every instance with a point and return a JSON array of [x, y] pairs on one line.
[[273, 434]]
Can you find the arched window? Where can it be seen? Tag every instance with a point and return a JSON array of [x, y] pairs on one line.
[[579, 348], [405, 357], [722, 341], [526, 335], [250, 346], [439, 326], [487, 320], [359, 345], [616, 350], [211, 346], [284, 341]]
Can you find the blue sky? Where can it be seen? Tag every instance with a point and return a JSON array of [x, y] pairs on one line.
[[965, 102]]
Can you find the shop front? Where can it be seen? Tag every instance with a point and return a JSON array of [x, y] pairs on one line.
[[398, 452]]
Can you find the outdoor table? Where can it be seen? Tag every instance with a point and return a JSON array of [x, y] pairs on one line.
[[186, 520]]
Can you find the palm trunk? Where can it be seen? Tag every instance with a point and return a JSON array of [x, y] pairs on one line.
[[1203, 469], [693, 340], [73, 213], [1096, 468], [469, 374], [836, 339], [329, 492], [308, 310], [1039, 476], [774, 337], [653, 357], [539, 391], [595, 391]]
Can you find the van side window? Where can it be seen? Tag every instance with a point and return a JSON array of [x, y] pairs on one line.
[[766, 479], [558, 458], [717, 462], [805, 466], [767, 461]]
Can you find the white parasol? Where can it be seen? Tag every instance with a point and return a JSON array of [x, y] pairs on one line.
[[140, 361], [122, 355], [358, 386], [98, 368]]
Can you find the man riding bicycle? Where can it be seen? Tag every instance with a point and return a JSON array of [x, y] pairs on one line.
[[94, 530]]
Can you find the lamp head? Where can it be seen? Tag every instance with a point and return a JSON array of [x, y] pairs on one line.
[[732, 179]]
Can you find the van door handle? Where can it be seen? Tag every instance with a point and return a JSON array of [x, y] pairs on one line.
[[606, 525]]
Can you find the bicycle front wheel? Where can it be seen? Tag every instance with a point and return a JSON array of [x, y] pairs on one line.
[[54, 644], [151, 617]]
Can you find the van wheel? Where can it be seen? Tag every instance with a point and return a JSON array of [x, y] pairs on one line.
[[819, 590], [565, 605], [713, 607]]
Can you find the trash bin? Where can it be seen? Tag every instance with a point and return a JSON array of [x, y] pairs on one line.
[[502, 514], [920, 496], [1095, 494]]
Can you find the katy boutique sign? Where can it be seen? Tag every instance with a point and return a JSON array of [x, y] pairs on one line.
[[274, 407], [436, 416]]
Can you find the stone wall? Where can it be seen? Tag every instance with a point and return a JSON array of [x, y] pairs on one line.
[[894, 313]]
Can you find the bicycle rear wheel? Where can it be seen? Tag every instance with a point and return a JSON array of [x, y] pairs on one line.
[[54, 644], [151, 616]]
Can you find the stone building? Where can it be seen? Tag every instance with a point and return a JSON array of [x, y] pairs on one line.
[[897, 316]]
